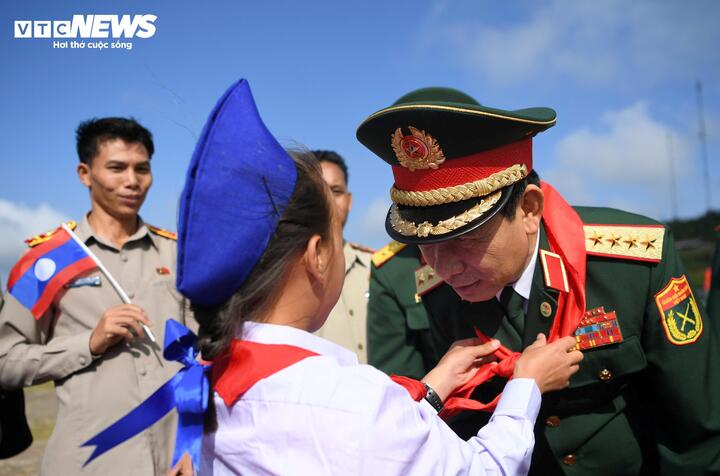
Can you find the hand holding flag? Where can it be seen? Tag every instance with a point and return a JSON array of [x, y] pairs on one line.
[[44, 270]]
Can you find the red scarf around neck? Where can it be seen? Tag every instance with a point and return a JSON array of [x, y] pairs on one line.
[[245, 363]]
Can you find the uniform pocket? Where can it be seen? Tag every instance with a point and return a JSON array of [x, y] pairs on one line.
[[611, 363]]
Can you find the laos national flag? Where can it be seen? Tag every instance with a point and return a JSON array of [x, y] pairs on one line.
[[45, 269]]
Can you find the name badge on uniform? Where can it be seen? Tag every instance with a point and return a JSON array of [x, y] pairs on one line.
[[596, 329], [86, 281]]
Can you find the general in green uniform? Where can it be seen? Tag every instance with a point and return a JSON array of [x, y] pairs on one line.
[[518, 260], [398, 328]]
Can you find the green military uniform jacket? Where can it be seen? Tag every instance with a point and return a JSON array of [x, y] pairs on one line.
[[647, 405], [398, 329]]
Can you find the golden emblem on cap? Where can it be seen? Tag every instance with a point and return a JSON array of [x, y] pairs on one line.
[[418, 151]]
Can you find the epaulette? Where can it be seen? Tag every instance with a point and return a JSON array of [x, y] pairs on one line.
[[37, 239], [383, 255], [426, 279], [362, 248], [162, 232], [634, 242]]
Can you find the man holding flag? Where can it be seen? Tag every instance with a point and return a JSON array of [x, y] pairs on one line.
[[86, 303]]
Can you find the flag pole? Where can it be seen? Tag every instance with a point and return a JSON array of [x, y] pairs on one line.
[[121, 292]]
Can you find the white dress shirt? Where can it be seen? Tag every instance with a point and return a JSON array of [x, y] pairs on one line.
[[327, 415], [524, 283]]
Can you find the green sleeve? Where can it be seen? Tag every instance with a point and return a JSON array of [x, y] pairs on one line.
[[683, 383], [397, 326]]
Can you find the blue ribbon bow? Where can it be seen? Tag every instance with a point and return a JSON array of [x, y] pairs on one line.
[[188, 391]]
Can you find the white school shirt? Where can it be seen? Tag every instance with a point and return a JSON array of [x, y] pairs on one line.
[[327, 415]]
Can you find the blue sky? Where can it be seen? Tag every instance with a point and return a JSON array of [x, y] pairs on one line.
[[621, 75]]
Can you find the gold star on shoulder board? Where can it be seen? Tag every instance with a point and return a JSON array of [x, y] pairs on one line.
[[596, 238], [631, 241], [613, 240], [648, 242]]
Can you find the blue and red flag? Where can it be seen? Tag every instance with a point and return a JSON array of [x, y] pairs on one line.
[[45, 269]]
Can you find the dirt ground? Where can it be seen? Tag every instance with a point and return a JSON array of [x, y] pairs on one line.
[[40, 408]]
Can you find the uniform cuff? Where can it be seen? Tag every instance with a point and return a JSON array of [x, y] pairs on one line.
[[520, 398], [78, 348]]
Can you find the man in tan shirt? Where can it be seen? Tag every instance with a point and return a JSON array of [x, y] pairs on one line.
[[88, 342], [347, 323]]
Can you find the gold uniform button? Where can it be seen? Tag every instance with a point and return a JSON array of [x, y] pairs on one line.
[[351, 312], [605, 375], [360, 347], [553, 421], [569, 459], [545, 309]]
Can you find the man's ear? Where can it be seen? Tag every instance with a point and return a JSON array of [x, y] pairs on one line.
[[315, 257], [83, 171], [531, 207], [349, 202]]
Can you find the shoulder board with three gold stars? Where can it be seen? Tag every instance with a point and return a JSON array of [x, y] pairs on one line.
[[383, 255], [362, 248], [634, 242], [161, 232], [37, 239]]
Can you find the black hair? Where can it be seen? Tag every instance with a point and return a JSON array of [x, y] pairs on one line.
[[333, 158], [93, 132], [508, 211], [309, 212]]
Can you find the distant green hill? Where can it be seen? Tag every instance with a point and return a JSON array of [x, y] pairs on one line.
[[695, 240]]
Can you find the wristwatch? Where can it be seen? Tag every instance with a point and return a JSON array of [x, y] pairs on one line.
[[433, 398]]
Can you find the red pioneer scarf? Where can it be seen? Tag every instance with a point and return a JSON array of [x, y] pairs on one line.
[[566, 237], [245, 363]]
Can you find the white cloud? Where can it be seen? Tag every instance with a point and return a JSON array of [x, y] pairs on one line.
[[630, 147], [369, 229], [18, 222], [629, 154], [594, 42]]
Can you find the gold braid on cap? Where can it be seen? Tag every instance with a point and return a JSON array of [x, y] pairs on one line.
[[424, 229], [457, 193]]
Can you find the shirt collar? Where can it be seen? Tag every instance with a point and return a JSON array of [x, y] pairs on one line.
[[353, 256], [524, 283], [84, 231], [278, 334]]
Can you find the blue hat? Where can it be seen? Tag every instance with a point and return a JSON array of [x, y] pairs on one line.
[[238, 184]]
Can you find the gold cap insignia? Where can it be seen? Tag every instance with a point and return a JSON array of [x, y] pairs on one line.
[[418, 151]]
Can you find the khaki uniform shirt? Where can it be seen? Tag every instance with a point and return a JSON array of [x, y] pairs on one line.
[[346, 324], [95, 391]]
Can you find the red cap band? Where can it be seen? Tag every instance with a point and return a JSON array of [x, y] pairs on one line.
[[465, 169]]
